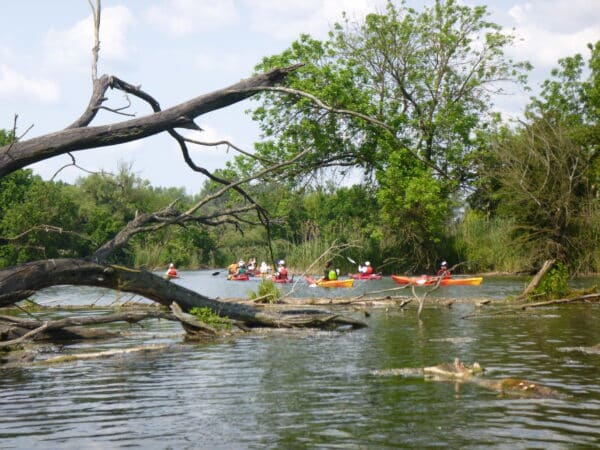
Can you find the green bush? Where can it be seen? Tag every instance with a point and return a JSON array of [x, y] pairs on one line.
[[554, 284], [207, 316], [267, 291]]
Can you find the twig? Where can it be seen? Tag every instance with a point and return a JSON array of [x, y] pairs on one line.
[[25, 336]]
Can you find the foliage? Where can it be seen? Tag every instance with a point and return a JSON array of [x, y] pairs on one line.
[[554, 284], [486, 244], [267, 291], [53, 219], [427, 76], [413, 211], [208, 317], [42, 215], [543, 176]]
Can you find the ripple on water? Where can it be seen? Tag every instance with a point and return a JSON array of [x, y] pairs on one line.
[[316, 390]]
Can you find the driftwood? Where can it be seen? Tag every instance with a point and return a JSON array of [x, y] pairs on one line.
[[104, 354], [459, 372], [18, 329], [193, 327], [593, 350], [579, 298], [537, 279], [523, 306]]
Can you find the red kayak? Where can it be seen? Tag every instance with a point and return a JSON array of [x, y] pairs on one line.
[[241, 277], [364, 276], [281, 280], [426, 280]]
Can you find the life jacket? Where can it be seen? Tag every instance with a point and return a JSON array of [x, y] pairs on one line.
[[369, 270], [283, 273], [332, 275]]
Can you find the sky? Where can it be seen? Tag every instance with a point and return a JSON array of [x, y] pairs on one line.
[[180, 49]]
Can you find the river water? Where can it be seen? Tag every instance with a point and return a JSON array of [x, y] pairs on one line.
[[299, 389]]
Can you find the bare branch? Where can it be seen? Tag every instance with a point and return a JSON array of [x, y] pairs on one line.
[[45, 229]]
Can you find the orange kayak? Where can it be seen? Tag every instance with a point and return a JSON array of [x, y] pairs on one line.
[[331, 283], [427, 280]]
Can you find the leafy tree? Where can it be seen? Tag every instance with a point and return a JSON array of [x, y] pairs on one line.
[[425, 81], [414, 212], [428, 75], [545, 173], [42, 216]]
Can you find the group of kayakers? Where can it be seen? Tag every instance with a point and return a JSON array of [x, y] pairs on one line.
[[250, 269], [241, 269]]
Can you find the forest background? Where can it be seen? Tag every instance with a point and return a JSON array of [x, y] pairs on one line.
[[418, 164]]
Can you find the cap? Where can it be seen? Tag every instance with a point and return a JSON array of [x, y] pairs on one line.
[[444, 263], [367, 263], [281, 262]]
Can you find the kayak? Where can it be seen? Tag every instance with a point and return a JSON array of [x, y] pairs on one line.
[[281, 280], [426, 280], [363, 276], [348, 283], [241, 277]]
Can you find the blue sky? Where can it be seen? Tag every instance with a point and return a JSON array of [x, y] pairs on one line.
[[179, 49]]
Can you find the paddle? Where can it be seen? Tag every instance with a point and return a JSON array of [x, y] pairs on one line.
[[215, 273], [351, 260]]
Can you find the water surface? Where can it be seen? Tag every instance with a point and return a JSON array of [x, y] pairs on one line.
[[315, 389]]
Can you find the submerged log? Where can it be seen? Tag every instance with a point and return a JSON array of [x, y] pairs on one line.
[[104, 354], [459, 372]]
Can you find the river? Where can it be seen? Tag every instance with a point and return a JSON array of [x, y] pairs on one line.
[[300, 389]]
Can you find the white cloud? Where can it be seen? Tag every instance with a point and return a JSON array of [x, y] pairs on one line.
[[553, 29], [72, 48], [185, 17], [14, 85], [288, 19]]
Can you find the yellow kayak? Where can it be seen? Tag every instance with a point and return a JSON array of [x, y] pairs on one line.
[[348, 283]]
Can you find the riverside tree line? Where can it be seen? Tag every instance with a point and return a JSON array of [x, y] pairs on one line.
[[407, 164]]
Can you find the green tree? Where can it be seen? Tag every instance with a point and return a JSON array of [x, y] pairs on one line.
[[44, 217], [425, 78], [545, 173]]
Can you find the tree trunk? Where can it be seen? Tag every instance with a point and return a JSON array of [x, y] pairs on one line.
[[537, 279]]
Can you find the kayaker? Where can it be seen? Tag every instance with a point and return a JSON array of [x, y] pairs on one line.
[[366, 269], [282, 272], [444, 272], [171, 271], [232, 268], [330, 273], [241, 268], [264, 269]]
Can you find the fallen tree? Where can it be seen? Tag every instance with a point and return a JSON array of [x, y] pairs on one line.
[[20, 282]]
